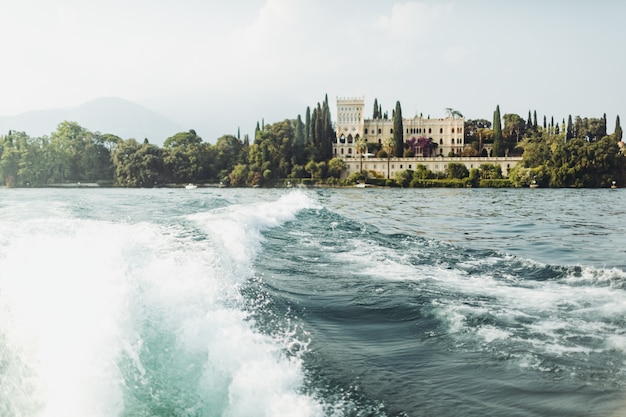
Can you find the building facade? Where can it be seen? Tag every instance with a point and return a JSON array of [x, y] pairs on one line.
[[445, 134], [432, 141]]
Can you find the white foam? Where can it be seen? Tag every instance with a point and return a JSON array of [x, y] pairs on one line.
[[238, 229], [77, 296], [64, 297]]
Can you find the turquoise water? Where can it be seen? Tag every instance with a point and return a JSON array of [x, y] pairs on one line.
[[253, 302]]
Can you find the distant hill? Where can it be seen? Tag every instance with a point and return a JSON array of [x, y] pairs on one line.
[[105, 115]]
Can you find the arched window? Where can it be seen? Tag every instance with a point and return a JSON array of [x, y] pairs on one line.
[[441, 141], [366, 131], [380, 131], [441, 130], [452, 130]]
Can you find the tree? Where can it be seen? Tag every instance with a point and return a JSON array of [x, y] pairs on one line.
[[398, 130], [361, 149], [514, 125], [138, 165], [376, 114], [455, 170], [307, 126], [228, 153], [498, 146], [453, 114], [336, 167], [569, 133], [490, 171], [388, 145], [578, 163], [299, 141], [183, 139], [618, 130]]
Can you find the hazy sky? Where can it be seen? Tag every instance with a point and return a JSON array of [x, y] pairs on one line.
[[272, 58]]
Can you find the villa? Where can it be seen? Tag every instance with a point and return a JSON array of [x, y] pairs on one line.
[[445, 134]]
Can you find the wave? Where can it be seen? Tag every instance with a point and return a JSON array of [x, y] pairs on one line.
[[109, 319], [347, 277]]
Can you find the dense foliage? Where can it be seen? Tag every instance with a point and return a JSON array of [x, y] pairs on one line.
[[578, 153]]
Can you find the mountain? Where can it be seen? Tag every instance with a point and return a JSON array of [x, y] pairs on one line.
[[105, 115]]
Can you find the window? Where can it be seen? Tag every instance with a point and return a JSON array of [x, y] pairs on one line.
[[430, 130], [391, 131], [380, 131], [441, 130], [410, 166], [366, 131], [441, 141], [452, 130], [452, 141], [349, 150]]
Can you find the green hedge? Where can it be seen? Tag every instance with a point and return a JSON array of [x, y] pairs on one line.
[[444, 183], [501, 183]]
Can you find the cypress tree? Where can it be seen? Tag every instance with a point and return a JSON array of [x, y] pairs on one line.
[[570, 128], [299, 132], [618, 130], [328, 135], [307, 125], [314, 127], [398, 131], [529, 122], [545, 124], [535, 119], [299, 141], [498, 146], [376, 115]]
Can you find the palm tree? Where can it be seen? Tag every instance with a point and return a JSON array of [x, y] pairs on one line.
[[361, 148], [388, 146], [453, 113]]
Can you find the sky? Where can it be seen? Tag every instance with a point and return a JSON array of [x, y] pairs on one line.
[[219, 65]]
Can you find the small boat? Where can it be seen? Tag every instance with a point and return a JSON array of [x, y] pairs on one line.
[[534, 184], [613, 185], [191, 186]]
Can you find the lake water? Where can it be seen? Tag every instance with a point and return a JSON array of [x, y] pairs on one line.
[[329, 302]]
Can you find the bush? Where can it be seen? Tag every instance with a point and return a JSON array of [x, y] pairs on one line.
[[444, 183], [499, 183]]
